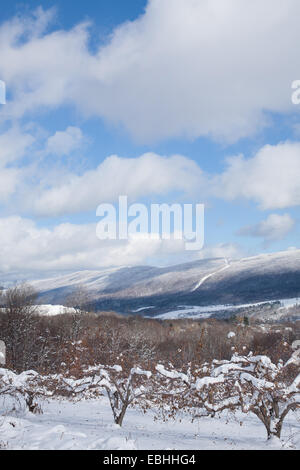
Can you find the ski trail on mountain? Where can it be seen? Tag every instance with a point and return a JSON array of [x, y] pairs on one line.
[[203, 279]]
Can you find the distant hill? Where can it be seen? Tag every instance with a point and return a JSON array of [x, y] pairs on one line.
[[203, 283]]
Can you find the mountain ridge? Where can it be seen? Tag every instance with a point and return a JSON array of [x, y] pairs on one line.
[[202, 282]]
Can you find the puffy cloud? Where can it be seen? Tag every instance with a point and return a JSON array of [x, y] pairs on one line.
[[270, 178], [13, 145], [9, 178], [222, 250], [40, 67], [149, 174], [28, 250], [184, 68], [64, 142], [274, 228]]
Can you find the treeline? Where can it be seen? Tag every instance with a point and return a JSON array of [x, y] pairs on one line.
[[81, 338]]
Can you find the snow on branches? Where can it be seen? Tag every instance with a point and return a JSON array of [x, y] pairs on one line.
[[21, 389], [248, 383], [124, 388]]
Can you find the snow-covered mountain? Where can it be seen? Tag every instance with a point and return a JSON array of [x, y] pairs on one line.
[[202, 283]]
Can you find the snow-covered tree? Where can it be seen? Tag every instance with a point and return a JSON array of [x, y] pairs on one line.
[[22, 389], [252, 384], [124, 388], [248, 383], [172, 390]]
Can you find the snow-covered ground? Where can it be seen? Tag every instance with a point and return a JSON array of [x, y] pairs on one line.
[[52, 310], [208, 276], [208, 311], [89, 425], [290, 303], [182, 311], [142, 308]]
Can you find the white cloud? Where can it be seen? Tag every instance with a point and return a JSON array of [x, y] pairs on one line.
[[184, 68], [149, 174], [64, 142], [9, 178], [13, 145], [221, 250], [29, 250], [270, 178], [274, 228]]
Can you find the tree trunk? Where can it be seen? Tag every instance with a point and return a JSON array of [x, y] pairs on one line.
[[276, 431], [120, 418]]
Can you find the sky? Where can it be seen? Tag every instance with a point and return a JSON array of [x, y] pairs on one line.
[[164, 101]]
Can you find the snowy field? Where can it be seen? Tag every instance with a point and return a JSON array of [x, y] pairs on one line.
[[194, 312], [89, 425], [183, 311]]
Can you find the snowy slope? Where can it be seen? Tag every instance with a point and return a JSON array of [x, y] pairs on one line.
[[89, 425], [52, 310], [202, 283], [128, 281], [193, 312]]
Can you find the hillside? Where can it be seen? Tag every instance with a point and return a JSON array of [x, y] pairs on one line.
[[147, 289]]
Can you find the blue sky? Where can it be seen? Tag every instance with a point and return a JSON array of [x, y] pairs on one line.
[[164, 101]]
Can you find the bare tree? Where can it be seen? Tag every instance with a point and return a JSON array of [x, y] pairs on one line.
[[79, 306], [22, 390], [124, 388], [19, 306], [248, 383]]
